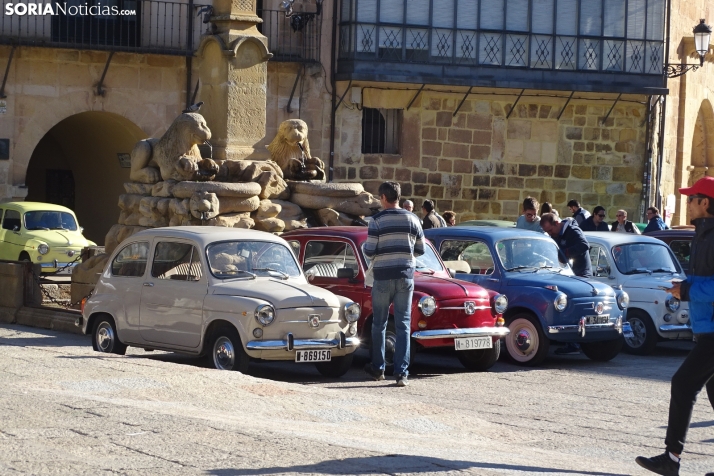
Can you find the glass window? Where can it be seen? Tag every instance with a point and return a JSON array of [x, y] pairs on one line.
[[238, 259], [11, 221], [176, 261], [50, 220], [528, 254], [324, 258], [644, 258], [598, 259], [467, 256], [682, 250], [131, 260], [295, 245], [424, 263]]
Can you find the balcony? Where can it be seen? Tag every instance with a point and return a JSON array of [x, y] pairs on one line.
[[140, 26], [295, 38], [594, 45]]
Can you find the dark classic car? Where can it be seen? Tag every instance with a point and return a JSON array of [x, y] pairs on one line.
[[445, 312], [679, 241], [546, 302]]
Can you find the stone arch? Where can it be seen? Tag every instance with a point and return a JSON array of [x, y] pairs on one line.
[[702, 156], [76, 163]]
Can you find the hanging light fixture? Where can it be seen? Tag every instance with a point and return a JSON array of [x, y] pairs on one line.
[[702, 35]]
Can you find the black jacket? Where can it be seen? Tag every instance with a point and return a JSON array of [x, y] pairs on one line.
[[629, 226], [589, 225], [573, 244], [698, 289]]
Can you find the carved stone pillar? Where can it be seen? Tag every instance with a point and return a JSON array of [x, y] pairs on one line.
[[233, 74]]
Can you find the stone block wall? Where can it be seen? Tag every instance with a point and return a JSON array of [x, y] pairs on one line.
[[482, 164]]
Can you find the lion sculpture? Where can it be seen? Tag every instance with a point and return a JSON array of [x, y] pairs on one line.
[[291, 151], [174, 156]]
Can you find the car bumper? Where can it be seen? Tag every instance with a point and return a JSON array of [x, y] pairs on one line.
[[683, 329], [290, 344], [51, 266], [582, 328], [460, 333]]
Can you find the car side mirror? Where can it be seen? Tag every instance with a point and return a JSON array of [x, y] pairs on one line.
[[452, 272], [346, 273], [81, 229], [16, 229]]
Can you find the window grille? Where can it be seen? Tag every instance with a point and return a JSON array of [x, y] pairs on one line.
[[381, 129]]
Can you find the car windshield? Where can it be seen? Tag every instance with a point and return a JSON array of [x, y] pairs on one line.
[[50, 220], [251, 259], [643, 258], [426, 263], [528, 254]]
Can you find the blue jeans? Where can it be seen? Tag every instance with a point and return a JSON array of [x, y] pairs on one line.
[[398, 292]]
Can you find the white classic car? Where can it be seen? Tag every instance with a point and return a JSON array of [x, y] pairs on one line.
[[644, 267], [224, 293]]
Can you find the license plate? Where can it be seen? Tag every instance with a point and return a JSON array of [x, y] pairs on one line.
[[627, 330], [604, 319], [473, 343], [313, 355], [67, 270]]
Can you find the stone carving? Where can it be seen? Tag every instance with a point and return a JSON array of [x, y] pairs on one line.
[[291, 151], [361, 205], [174, 156]]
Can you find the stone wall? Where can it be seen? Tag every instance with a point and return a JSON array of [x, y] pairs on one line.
[[482, 165]]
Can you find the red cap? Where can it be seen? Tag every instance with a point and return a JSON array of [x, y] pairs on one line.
[[703, 186]]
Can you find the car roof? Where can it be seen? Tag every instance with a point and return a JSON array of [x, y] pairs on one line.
[[619, 238], [350, 232], [206, 235], [35, 206], [676, 233], [501, 223], [493, 233]]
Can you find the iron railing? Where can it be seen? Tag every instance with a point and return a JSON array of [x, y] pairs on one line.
[[295, 38], [141, 26]]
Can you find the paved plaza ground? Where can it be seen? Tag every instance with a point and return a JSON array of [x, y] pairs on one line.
[[65, 409]]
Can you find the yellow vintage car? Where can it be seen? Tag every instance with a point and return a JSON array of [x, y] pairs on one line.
[[42, 233]]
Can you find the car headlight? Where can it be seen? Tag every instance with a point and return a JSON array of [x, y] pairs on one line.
[[623, 300], [560, 302], [43, 249], [427, 304], [672, 303], [500, 303], [352, 312], [265, 314]]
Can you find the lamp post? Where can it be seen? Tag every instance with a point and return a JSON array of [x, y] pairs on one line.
[[702, 35]]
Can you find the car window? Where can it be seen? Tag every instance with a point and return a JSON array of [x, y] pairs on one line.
[[425, 263], [295, 245], [176, 261], [528, 254], [324, 258], [245, 259], [598, 259], [50, 220], [645, 258], [131, 260], [11, 220], [681, 250], [467, 256]]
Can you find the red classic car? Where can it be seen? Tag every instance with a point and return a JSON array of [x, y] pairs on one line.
[[445, 312]]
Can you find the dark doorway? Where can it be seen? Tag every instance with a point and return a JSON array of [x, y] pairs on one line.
[[59, 187]]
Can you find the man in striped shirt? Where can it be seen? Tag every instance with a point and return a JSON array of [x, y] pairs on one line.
[[394, 240]]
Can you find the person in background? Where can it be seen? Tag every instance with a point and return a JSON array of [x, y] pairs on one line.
[[654, 220], [431, 219], [580, 214], [408, 205], [571, 241], [450, 218], [596, 222], [530, 219], [547, 208], [623, 225], [697, 370], [394, 241]]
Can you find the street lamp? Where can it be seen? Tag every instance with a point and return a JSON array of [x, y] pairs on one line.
[[298, 21], [702, 35]]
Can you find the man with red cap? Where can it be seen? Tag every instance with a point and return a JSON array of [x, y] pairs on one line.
[[697, 370]]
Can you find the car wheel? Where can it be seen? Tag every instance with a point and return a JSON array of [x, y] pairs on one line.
[[24, 256], [645, 335], [526, 344], [479, 360], [226, 350], [602, 351], [390, 344], [337, 367], [105, 338]]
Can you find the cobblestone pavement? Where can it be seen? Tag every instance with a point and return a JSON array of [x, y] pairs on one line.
[[65, 409]]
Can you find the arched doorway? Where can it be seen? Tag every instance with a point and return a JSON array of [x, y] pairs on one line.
[[77, 164]]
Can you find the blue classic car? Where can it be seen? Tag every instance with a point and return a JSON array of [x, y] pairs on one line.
[[546, 302]]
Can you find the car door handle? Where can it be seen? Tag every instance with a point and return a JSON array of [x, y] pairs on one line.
[[492, 279], [149, 285]]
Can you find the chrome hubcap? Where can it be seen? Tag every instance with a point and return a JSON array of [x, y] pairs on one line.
[[224, 354], [390, 343], [105, 337], [523, 340], [639, 332]]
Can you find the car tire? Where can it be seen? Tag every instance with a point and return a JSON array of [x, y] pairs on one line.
[[225, 350], [479, 360], [526, 344], [336, 367], [390, 342], [105, 338], [602, 351], [643, 328]]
